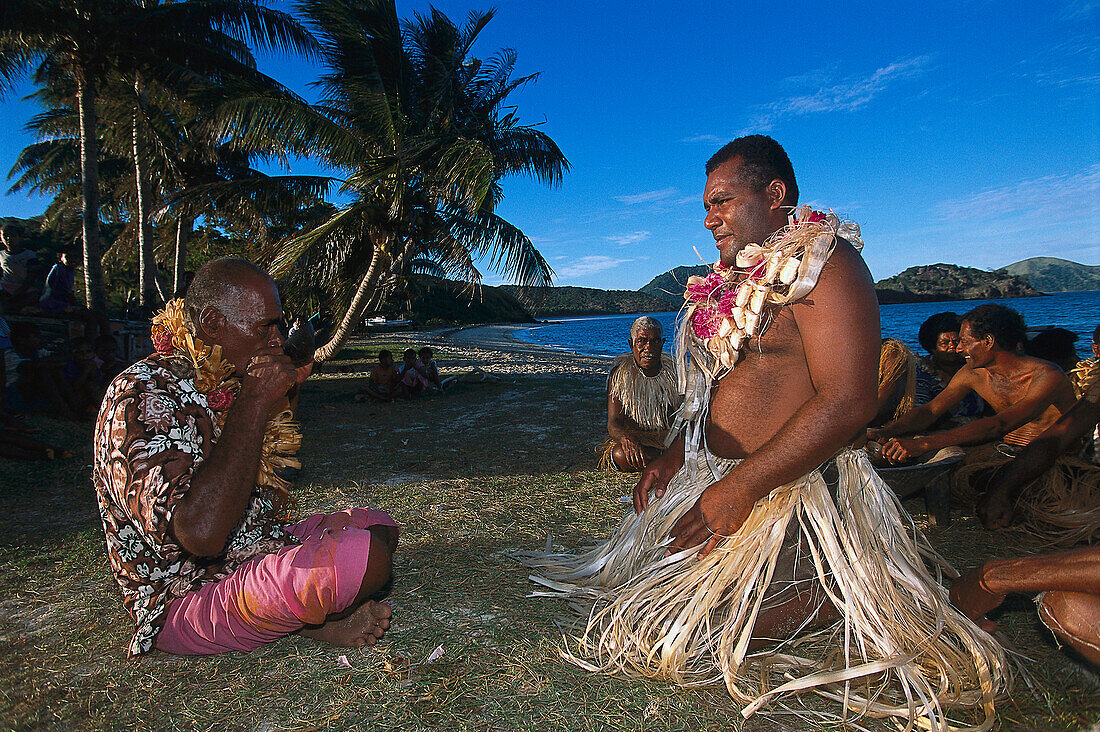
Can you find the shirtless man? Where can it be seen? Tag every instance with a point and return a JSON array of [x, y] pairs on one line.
[[1071, 580], [742, 531], [641, 395], [1027, 393]]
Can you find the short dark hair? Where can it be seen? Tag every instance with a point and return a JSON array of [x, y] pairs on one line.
[[930, 329], [1004, 324], [384, 354], [762, 161], [427, 350], [1096, 335]]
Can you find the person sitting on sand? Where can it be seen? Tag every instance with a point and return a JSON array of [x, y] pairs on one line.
[[383, 384], [939, 336], [427, 366], [1028, 394], [1070, 581], [186, 451], [641, 398]]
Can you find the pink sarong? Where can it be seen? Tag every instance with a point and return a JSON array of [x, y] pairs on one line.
[[273, 595]]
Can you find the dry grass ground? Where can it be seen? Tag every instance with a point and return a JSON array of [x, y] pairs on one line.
[[481, 469]]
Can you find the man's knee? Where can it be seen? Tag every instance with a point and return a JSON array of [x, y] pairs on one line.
[[1075, 618]]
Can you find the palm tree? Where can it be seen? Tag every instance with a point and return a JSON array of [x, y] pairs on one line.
[[418, 128], [77, 43]]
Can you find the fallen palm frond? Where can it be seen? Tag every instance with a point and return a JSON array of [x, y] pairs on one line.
[[899, 649]]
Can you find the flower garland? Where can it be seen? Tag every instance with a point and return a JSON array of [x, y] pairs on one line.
[[731, 305], [172, 337]]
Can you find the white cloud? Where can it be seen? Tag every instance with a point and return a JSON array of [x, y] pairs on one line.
[[647, 196], [632, 237], [1048, 198], [710, 139], [590, 265], [847, 95]]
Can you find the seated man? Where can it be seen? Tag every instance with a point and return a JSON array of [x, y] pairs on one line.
[[641, 398], [939, 336], [1070, 580], [1028, 394], [1056, 493], [383, 384], [58, 298], [19, 270], [187, 449]]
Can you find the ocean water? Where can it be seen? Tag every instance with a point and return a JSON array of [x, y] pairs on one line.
[[607, 335]]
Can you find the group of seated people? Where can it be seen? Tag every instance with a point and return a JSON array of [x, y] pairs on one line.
[[27, 288], [386, 383], [68, 383], [980, 387]]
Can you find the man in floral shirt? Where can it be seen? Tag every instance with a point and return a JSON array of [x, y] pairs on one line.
[[204, 562]]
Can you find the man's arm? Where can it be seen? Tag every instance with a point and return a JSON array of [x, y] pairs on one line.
[[983, 589], [925, 415], [622, 429], [997, 507], [220, 488], [839, 327], [1039, 396]]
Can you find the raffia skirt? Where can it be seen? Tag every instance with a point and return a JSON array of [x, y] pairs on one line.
[[898, 648]]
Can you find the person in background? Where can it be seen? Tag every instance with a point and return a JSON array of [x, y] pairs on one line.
[[36, 377], [19, 270], [58, 298], [84, 376], [1054, 345], [642, 395], [383, 385], [939, 336], [1027, 393], [106, 357], [427, 366]]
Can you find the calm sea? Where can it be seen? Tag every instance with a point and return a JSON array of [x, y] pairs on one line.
[[607, 335]]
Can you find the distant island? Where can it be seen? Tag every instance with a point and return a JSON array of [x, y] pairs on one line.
[[436, 301]]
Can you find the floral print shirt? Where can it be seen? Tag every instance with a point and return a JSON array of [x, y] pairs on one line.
[[154, 429]]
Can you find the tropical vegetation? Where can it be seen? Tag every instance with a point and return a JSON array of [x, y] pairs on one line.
[[155, 117]]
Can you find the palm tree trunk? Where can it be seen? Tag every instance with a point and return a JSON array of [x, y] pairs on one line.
[[183, 233], [355, 309], [95, 292], [146, 262]]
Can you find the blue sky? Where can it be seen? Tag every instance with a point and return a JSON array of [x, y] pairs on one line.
[[966, 133]]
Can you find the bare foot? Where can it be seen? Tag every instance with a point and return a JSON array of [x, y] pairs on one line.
[[364, 627]]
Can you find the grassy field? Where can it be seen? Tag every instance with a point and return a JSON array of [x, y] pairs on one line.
[[468, 474]]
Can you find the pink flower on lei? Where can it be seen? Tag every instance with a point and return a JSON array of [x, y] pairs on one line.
[[162, 342], [728, 301], [701, 290], [705, 322], [812, 218], [220, 399]]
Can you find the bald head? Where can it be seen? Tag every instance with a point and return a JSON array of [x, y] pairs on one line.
[[227, 284]]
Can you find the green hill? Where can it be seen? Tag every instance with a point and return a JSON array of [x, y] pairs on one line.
[[926, 283], [433, 301], [933, 282], [561, 301], [670, 285], [1049, 274]]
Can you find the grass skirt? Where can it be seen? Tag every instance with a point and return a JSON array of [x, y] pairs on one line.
[[898, 650], [1061, 507]]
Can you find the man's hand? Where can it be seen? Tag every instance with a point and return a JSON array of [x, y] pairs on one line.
[[997, 507], [271, 374], [901, 449], [657, 474], [717, 514], [877, 434], [635, 457], [971, 597]]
